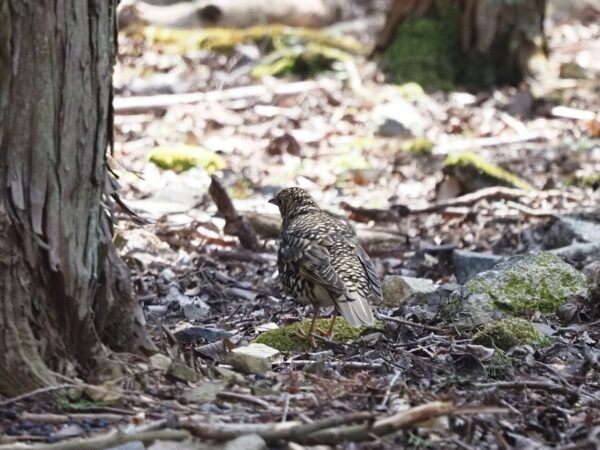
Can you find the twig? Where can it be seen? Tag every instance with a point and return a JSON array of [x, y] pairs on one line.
[[493, 141], [381, 427], [235, 223], [35, 392], [60, 418], [269, 431], [286, 407], [234, 396], [141, 104], [543, 385], [388, 391], [107, 440], [564, 112], [407, 322], [337, 364]]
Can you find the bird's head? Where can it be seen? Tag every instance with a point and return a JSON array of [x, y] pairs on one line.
[[294, 201]]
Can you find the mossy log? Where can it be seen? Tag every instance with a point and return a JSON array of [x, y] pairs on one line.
[[441, 43]]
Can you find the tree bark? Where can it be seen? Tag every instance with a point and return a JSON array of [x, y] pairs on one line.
[[496, 41], [63, 289]]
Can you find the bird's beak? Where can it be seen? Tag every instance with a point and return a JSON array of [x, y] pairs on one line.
[[274, 201]]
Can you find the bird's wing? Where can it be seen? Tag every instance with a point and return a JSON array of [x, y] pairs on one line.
[[366, 262], [311, 259]]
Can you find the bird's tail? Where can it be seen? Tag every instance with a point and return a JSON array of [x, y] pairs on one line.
[[355, 309]]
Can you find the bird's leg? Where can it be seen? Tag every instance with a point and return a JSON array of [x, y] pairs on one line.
[[330, 331], [309, 336]]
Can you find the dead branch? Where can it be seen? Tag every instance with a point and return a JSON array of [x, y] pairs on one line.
[[542, 385], [268, 226], [493, 141], [269, 431], [142, 104], [408, 322], [106, 440], [235, 223], [381, 427], [237, 397]]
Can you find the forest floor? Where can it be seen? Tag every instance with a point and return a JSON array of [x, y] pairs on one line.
[[323, 133]]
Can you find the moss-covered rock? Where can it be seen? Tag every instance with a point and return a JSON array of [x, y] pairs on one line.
[[183, 157], [474, 173], [517, 286], [507, 333], [287, 339]]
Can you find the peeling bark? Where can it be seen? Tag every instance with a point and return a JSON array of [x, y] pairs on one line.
[[60, 278]]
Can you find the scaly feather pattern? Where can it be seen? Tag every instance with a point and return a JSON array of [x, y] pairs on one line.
[[321, 262]]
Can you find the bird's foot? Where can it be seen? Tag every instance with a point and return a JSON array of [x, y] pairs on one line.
[[310, 338]]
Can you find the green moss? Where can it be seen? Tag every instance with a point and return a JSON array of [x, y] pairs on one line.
[[588, 181], [286, 339], [542, 284], [498, 364], [184, 157], [507, 333], [470, 162], [425, 50], [418, 146]]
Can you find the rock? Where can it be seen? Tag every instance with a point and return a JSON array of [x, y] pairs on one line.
[[474, 173], [135, 445], [286, 339], [254, 358], [399, 118], [507, 333], [572, 70], [246, 442], [205, 392], [522, 284], [160, 362], [468, 264], [194, 308], [582, 230], [229, 375], [398, 289], [182, 372]]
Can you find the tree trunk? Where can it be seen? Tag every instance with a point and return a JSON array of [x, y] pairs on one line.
[[473, 42], [63, 290]]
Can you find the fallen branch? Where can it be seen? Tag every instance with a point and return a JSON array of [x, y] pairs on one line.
[[469, 144], [564, 112], [269, 431], [408, 322], [105, 441], [141, 104], [541, 385], [381, 427], [235, 223], [268, 226]]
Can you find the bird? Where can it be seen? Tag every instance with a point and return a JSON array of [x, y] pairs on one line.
[[321, 262]]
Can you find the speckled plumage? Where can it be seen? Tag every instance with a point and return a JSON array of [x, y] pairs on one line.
[[321, 262]]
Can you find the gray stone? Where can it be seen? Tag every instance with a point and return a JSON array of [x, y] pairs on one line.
[[160, 362], [205, 392], [194, 308], [583, 230], [468, 264], [399, 118], [398, 289], [516, 286], [183, 372], [254, 358], [246, 442]]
